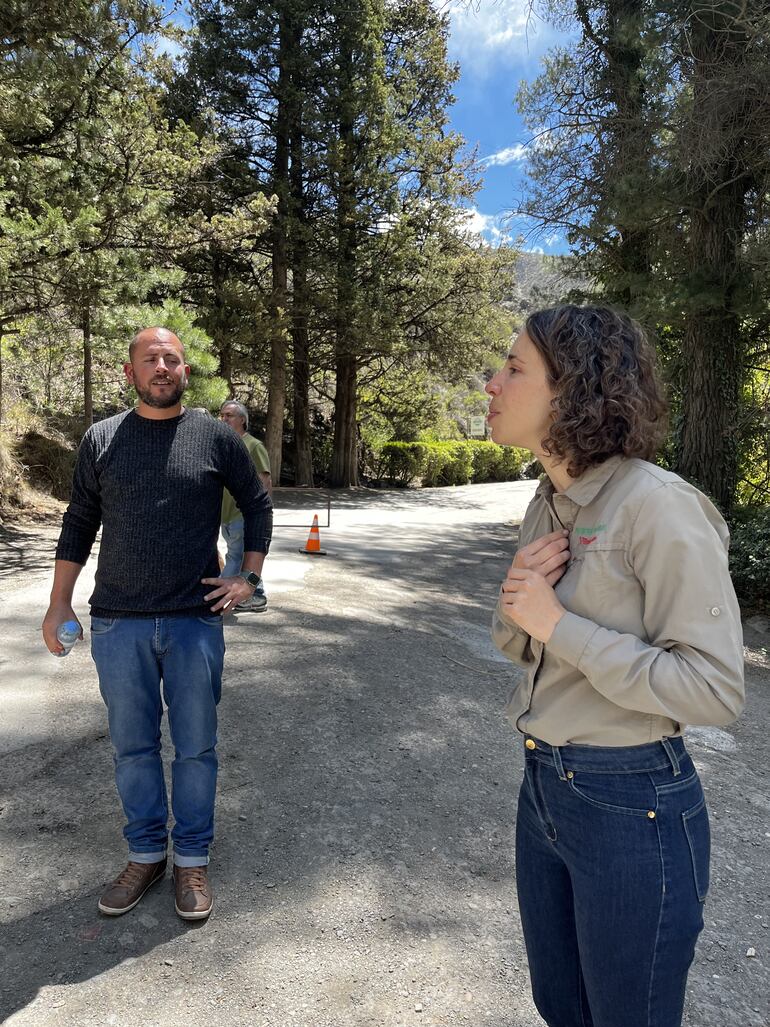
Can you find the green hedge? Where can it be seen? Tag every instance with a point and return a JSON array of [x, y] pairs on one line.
[[449, 463], [750, 558], [403, 462]]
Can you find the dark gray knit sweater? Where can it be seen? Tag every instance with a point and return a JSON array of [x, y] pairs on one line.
[[156, 488]]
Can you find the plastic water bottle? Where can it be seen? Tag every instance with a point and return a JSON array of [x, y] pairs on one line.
[[68, 633]]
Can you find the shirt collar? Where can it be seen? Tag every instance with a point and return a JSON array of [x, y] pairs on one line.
[[587, 487]]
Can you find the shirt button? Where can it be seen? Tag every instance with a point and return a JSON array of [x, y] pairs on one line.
[[530, 744], [715, 611]]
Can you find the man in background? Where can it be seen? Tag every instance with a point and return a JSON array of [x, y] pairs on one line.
[[237, 416]]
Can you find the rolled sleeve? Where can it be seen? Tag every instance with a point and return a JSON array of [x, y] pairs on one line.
[[689, 668]]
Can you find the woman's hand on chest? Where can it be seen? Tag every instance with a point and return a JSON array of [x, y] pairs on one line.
[[547, 555], [527, 597], [529, 601]]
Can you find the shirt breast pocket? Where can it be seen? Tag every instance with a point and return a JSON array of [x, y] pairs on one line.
[[600, 584]]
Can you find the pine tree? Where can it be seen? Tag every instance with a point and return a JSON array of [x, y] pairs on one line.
[[650, 156]]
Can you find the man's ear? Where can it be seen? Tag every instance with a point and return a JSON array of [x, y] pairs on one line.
[[128, 371]]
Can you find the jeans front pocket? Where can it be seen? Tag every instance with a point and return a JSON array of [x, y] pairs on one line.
[[101, 625], [614, 793], [696, 827]]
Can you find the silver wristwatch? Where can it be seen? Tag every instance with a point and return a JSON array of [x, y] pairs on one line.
[[251, 578]]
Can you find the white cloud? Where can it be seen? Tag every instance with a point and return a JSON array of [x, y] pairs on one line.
[[492, 30], [486, 226], [510, 155]]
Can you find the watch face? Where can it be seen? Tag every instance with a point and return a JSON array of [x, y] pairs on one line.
[[252, 578]]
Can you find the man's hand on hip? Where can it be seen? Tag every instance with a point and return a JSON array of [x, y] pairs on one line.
[[228, 594]]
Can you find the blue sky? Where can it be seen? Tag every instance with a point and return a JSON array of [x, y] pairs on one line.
[[498, 43]]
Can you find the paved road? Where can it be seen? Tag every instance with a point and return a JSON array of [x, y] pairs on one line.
[[363, 864]]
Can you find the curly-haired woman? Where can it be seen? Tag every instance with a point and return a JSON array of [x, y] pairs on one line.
[[620, 608]]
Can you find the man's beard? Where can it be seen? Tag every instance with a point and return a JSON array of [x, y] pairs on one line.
[[170, 399]]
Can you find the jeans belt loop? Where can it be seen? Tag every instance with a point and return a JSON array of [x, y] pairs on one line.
[[558, 763], [666, 743]]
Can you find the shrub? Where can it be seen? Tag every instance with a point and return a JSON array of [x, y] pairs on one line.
[[49, 459], [487, 460], [11, 478], [512, 464], [496, 463], [750, 558], [405, 461], [448, 463]]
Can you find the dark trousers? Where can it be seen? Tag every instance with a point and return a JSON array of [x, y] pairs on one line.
[[612, 857]]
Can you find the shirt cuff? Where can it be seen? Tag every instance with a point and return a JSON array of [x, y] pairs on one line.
[[258, 545], [72, 554], [570, 638]]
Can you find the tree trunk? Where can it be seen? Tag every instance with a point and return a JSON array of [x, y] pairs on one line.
[[632, 145], [1, 374], [344, 468], [627, 148], [303, 459], [713, 348], [300, 309], [88, 397], [276, 393], [221, 335], [226, 363]]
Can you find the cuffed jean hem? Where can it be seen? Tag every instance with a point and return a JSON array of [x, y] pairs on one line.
[[190, 861], [146, 857]]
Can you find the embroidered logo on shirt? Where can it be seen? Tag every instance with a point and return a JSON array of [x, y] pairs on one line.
[[588, 535]]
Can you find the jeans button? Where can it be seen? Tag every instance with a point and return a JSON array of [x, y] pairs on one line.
[[530, 744]]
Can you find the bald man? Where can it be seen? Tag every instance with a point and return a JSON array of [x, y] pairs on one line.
[[153, 477]]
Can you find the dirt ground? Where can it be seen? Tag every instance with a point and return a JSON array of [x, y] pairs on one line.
[[363, 866]]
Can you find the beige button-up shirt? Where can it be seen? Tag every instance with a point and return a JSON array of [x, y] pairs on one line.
[[651, 640]]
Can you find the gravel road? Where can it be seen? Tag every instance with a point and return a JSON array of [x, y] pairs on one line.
[[363, 867]]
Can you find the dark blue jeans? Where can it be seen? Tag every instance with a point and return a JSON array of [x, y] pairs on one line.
[[133, 656], [612, 858]]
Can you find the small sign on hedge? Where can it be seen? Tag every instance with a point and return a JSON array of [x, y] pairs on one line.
[[478, 428]]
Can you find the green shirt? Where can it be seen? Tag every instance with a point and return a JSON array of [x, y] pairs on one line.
[[261, 461]]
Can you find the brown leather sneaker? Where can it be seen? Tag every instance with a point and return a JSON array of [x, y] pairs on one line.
[[192, 893], [129, 886]]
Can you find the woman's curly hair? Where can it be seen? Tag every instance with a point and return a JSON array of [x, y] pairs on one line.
[[608, 398]]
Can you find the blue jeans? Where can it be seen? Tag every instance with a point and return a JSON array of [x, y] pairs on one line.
[[612, 857], [232, 533], [132, 657]]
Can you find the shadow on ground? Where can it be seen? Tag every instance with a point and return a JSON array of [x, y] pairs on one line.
[[365, 823]]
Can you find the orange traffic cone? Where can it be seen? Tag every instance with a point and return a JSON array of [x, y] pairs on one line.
[[313, 544]]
